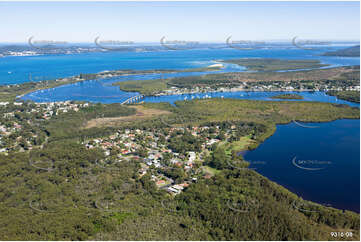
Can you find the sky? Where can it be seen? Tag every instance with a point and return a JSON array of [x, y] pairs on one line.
[[190, 21]]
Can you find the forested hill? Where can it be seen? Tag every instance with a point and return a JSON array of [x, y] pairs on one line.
[[63, 190]]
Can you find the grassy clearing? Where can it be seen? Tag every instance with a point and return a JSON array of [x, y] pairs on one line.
[[141, 114], [240, 145], [210, 170]]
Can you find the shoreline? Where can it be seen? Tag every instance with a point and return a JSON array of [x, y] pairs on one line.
[[77, 79], [54, 83]]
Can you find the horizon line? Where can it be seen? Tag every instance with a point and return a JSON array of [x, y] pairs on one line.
[[201, 41]]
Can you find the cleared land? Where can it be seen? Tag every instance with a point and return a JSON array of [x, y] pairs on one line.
[[141, 114]]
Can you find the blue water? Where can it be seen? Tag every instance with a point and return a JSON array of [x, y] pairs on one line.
[[266, 96], [19, 69], [15, 70], [336, 144], [103, 90]]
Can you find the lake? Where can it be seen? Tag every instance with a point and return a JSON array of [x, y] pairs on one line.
[[331, 150]]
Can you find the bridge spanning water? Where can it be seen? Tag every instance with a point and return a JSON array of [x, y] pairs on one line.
[[134, 99]]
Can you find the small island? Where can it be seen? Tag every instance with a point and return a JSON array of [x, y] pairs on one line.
[[287, 96]]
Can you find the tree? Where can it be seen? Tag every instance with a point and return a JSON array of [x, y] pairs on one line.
[[219, 159]]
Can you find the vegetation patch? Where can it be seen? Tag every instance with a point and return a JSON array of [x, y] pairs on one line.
[[146, 87], [80, 200], [351, 96], [287, 96], [268, 64]]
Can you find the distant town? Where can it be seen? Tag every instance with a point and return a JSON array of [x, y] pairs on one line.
[[262, 87]]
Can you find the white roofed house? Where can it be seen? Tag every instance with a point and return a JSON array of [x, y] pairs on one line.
[[212, 141], [191, 156], [2, 150], [172, 190], [176, 189]]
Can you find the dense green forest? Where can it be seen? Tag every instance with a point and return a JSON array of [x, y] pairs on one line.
[[60, 192], [352, 96]]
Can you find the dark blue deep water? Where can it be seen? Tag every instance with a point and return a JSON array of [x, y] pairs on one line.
[[332, 146]]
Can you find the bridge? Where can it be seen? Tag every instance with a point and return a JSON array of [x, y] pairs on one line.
[[134, 99]]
